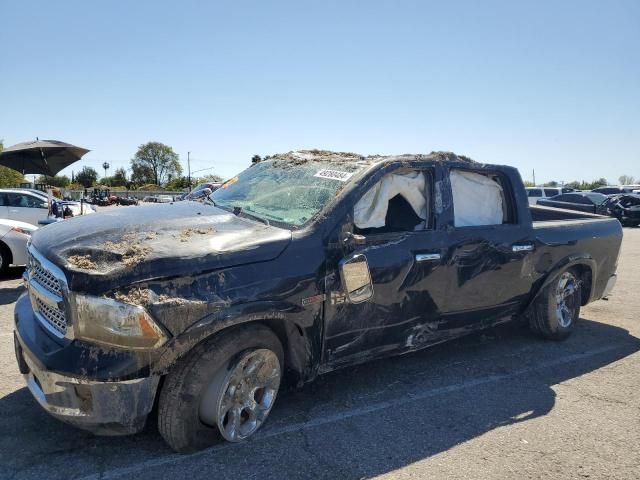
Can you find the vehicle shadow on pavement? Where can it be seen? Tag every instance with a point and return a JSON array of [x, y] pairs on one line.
[[11, 293], [354, 423]]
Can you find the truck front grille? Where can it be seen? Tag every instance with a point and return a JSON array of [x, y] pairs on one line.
[[47, 294], [45, 278], [54, 316]]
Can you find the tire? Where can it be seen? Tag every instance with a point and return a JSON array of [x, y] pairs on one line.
[[630, 223], [5, 258], [237, 372], [557, 309]]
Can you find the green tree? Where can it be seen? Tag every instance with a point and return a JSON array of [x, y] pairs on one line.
[[87, 177], [213, 178], [582, 185], [141, 175], [256, 159], [155, 162], [576, 185], [8, 176], [61, 181], [118, 179], [528, 183], [552, 183], [600, 182], [626, 180]]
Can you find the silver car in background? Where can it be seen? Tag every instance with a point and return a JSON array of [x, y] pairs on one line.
[[13, 242]]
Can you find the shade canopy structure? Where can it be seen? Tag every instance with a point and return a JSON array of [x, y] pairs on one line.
[[41, 157]]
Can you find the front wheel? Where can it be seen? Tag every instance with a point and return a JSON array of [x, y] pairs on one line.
[[223, 390], [557, 309], [630, 223], [5, 258]]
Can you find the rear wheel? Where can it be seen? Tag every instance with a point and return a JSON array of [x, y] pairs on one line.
[[224, 389], [557, 309]]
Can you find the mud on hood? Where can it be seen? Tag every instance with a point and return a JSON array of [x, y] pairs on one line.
[[123, 246]]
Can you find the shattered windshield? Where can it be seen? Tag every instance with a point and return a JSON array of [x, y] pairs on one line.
[[285, 192]]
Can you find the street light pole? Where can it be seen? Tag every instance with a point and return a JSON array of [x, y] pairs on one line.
[[189, 169]]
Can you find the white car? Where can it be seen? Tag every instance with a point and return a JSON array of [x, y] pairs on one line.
[[77, 208], [31, 207], [536, 193], [13, 242], [23, 206]]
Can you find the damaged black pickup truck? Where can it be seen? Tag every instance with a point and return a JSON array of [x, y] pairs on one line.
[[301, 264]]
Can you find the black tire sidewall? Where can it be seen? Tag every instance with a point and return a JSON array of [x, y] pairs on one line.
[[546, 318], [178, 414], [4, 256]]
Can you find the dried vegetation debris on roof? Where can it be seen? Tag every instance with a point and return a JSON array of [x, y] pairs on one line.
[[299, 157], [450, 157]]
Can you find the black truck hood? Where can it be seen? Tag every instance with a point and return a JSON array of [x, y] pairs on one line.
[[119, 247]]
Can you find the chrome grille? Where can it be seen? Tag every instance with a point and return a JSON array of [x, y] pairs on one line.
[[54, 316], [44, 277], [46, 290]]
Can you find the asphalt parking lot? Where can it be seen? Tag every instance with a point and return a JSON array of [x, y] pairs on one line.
[[501, 404]]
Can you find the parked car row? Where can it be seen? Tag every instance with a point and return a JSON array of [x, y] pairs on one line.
[[589, 202], [536, 193], [158, 199], [32, 206], [623, 206], [615, 190]]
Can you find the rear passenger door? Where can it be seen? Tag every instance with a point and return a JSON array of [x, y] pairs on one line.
[[487, 254]]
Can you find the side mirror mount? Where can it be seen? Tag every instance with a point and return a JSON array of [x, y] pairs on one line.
[[44, 205], [355, 239], [356, 278]]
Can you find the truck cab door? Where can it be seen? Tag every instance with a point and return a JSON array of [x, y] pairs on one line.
[[386, 290], [387, 295], [490, 258]]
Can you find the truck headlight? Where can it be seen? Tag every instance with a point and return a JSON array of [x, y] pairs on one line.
[[107, 321]]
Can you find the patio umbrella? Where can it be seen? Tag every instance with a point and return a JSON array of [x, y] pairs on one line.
[[42, 157]]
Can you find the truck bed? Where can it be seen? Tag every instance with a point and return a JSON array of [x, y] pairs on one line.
[[540, 213], [564, 235]]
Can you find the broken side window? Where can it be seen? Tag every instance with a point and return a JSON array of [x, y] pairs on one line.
[[398, 202]]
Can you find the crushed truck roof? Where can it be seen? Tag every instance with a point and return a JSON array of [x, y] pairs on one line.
[[299, 157]]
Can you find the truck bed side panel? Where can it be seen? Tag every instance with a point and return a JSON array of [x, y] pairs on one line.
[[592, 242]]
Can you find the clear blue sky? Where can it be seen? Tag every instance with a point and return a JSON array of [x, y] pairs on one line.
[[550, 85]]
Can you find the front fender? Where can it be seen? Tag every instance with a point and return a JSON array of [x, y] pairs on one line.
[[297, 327]]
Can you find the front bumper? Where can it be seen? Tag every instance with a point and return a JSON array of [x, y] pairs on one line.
[[97, 404]]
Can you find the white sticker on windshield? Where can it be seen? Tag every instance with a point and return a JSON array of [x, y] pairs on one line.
[[334, 175]]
